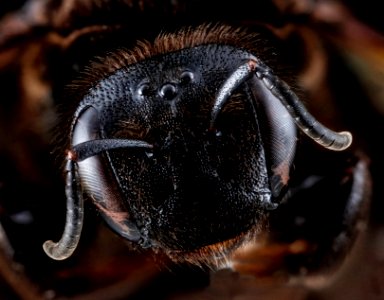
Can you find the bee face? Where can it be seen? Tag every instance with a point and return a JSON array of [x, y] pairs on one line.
[[196, 187], [186, 140], [185, 145]]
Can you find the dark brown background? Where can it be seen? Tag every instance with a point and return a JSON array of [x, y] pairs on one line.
[[337, 48]]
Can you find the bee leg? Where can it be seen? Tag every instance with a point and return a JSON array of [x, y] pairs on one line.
[[327, 212], [315, 227]]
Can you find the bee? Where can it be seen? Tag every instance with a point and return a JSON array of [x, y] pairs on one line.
[[187, 145], [187, 128]]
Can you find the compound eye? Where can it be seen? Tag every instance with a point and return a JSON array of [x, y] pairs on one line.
[[187, 77], [143, 90]]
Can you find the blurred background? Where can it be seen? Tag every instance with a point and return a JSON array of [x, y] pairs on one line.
[[336, 49]]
